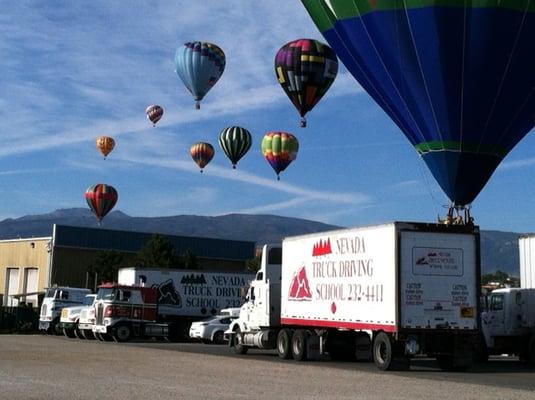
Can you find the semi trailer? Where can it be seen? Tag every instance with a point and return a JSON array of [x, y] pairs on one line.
[[387, 292]]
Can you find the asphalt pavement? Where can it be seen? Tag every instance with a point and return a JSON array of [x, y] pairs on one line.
[[48, 367]]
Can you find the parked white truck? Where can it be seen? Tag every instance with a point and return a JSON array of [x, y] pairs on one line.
[[387, 292], [70, 317], [56, 298], [508, 323], [163, 303]]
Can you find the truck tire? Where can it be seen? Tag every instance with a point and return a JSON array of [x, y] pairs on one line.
[[383, 354], [284, 344], [299, 345], [69, 333], [219, 337], [87, 334], [122, 332], [78, 333], [239, 347]]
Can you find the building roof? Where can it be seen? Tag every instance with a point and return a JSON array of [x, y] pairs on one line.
[[127, 241]]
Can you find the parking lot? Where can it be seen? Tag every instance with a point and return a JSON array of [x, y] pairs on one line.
[[48, 367]]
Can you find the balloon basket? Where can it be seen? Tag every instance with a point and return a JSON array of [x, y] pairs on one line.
[[197, 105], [457, 215], [303, 122]]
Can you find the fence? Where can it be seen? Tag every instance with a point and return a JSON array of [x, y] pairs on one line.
[[19, 319]]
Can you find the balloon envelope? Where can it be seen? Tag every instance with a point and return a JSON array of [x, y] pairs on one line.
[[101, 198], [202, 153], [457, 77], [305, 69], [154, 113], [235, 141], [105, 145], [199, 65], [279, 149]]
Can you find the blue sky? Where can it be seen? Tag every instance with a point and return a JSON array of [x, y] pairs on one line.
[[71, 71]]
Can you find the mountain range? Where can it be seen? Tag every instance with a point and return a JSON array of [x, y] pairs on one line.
[[499, 250]]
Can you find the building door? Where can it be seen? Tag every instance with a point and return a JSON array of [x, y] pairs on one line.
[[31, 284], [12, 286]]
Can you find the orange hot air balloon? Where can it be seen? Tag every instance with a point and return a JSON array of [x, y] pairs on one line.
[[202, 153], [105, 145]]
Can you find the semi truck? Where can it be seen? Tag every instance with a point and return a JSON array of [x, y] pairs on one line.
[[56, 298], [163, 303], [386, 292], [70, 317]]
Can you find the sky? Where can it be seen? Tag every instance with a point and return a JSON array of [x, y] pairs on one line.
[[72, 71]]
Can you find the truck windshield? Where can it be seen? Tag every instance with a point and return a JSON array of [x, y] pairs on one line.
[[88, 300], [50, 293], [106, 294]]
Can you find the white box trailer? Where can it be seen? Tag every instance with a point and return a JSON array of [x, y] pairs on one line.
[[406, 288], [189, 293], [526, 247]]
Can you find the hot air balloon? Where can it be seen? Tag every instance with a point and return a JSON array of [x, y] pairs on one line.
[[279, 149], [202, 153], [154, 113], [456, 77], [105, 145], [305, 69], [101, 198], [199, 65], [235, 142]]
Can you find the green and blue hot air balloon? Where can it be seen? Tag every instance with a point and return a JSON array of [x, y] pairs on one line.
[[457, 77]]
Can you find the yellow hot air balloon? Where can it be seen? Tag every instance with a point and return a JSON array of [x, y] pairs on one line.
[[105, 145]]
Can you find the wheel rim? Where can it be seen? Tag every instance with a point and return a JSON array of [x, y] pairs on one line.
[[297, 344], [381, 352], [283, 344]]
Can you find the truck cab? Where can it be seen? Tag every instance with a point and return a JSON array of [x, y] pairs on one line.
[[262, 304], [508, 323], [70, 317], [56, 298], [122, 312]]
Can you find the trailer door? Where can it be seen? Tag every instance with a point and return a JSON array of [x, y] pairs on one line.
[[438, 280]]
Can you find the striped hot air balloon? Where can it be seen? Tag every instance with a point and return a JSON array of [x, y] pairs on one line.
[[279, 149], [235, 142], [105, 145], [202, 153], [101, 199]]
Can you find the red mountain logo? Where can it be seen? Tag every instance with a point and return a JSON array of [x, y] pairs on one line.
[[299, 289], [322, 248]]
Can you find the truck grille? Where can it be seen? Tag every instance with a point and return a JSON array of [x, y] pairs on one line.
[[100, 314], [43, 310]]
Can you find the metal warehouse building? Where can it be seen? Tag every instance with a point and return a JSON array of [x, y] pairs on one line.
[[29, 265]]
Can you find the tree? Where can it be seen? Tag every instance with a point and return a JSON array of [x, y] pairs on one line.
[[253, 264], [189, 260], [498, 276], [158, 252], [105, 266]]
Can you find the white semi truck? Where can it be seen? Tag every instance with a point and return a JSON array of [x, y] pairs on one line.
[[163, 303], [70, 317], [388, 292], [56, 298]]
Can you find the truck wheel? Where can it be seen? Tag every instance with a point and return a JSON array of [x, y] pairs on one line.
[[55, 329], [87, 334], [382, 352], [78, 334], [219, 338], [284, 340], [239, 347], [122, 333], [299, 345], [69, 333]]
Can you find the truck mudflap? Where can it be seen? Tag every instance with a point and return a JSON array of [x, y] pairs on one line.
[[44, 325]]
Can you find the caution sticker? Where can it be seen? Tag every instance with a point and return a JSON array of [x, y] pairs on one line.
[[467, 312]]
